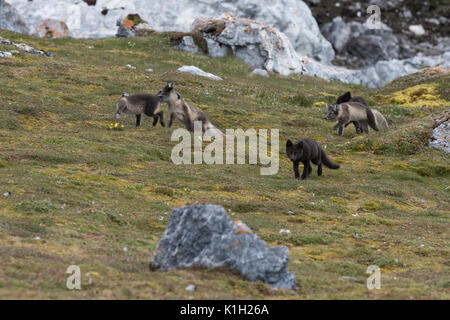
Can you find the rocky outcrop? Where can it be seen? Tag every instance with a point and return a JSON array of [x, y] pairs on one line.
[[263, 47], [414, 28], [440, 138], [133, 25], [256, 43], [204, 235], [52, 29], [10, 19], [362, 46], [292, 17]]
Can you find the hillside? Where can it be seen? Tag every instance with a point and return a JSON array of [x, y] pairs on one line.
[[101, 199]]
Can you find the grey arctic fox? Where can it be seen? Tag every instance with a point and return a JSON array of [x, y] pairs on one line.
[[360, 126], [139, 104]]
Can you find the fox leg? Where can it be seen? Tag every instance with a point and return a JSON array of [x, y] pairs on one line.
[[155, 120], [295, 166], [319, 165], [364, 128], [161, 118], [138, 120], [305, 172], [172, 117]]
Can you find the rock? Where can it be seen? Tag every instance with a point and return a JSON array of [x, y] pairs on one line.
[[204, 235], [292, 17], [25, 47], [143, 30], [190, 287], [371, 48], [417, 29], [126, 29], [256, 43], [187, 44], [5, 54], [52, 29], [337, 32], [365, 46], [261, 72], [440, 139], [198, 72], [91, 2], [10, 19]]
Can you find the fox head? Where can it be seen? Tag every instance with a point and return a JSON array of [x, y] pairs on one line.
[[294, 151], [346, 97], [332, 112], [165, 93]]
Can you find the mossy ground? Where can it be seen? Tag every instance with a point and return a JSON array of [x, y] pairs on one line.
[[81, 193]]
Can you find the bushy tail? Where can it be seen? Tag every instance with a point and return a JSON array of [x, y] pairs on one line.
[[214, 131], [371, 119], [381, 121], [327, 161]]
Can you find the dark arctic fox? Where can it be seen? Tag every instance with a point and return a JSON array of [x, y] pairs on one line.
[[139, 104], [305, 150]]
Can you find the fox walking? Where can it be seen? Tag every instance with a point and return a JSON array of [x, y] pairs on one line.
[[305, 150], [139, 104]]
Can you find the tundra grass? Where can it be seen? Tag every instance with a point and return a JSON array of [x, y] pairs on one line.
[[74, 192]]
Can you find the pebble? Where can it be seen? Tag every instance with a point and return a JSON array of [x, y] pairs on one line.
[[190, 287]]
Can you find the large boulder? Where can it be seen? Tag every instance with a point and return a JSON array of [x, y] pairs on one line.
[[363, 46], [292, 17], [256, 43], [10, 19], [263, 47], [204, 235]]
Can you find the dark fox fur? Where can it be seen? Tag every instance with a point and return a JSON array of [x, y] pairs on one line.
[[139, 104], [304, 151]]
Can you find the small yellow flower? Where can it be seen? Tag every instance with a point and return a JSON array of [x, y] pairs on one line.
[[122, 126], [115, 126]]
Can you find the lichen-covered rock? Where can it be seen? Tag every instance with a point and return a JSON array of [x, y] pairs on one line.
[[51, 28], [204, 235], [10, 19]]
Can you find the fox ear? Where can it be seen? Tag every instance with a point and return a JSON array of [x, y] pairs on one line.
[[288, 143], [347, 95], [170, 86]]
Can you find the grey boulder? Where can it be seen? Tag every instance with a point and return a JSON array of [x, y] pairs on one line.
[[204, 235], [10, 19]]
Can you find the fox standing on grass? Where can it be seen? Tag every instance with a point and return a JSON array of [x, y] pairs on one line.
[[379, 118], [349, 112], [304, 151], [138, 104], [184, 112]]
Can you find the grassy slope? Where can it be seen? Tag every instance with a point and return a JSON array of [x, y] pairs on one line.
[[118, 187]]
